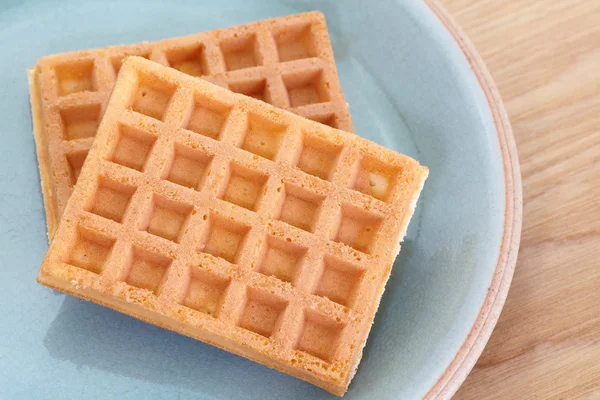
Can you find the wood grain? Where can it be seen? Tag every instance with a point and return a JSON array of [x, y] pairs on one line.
[[545, 59]]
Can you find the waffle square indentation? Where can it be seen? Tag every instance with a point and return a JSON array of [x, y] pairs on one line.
[[375, 178], [282, 259], [153, 97], [205, 291], [357, 228], [81, 121], [224, 238], [262, 312], [244, 187], [300, 207], [188, 167], [207, 118], [339, 281], [91, 250], [189, 59], [133, 147], [295, 42], [306, 87], [147, 269], [319, 336], [166, 218], [76, 76], [111, 199], [263, 137], [240, 52], [318, 157]]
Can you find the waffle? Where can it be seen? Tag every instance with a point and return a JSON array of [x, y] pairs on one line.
[[285, 61], [234, 222]]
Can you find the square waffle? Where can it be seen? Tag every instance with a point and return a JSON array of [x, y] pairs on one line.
[[286, 61], [272, 237]]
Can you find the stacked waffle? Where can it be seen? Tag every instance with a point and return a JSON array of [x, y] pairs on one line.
[[224, 208]]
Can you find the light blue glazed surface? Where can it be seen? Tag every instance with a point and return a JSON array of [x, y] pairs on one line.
[[409, 88]]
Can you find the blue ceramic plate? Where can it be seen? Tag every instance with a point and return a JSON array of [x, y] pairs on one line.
[[413, 85]]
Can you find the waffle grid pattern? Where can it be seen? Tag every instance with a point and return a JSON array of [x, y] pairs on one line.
[[287, 62], [263, 235]]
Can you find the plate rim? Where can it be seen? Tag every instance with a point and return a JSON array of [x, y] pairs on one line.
[[467, 355]]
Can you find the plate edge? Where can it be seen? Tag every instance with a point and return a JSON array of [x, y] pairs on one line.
[[468, 354]]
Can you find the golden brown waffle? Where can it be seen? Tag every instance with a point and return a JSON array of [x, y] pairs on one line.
[[285, 61], [236, 223]]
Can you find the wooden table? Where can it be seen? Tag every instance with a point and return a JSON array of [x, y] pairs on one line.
[[545, 59]]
